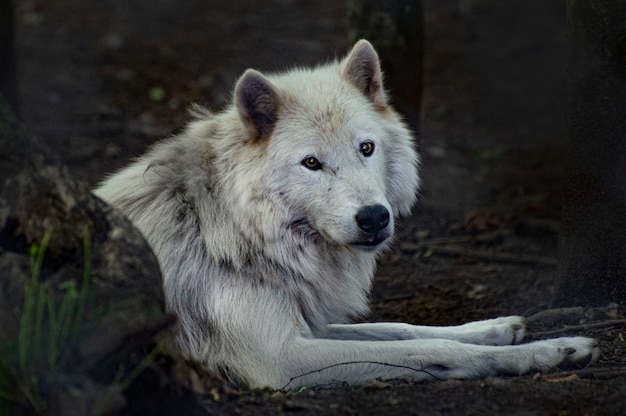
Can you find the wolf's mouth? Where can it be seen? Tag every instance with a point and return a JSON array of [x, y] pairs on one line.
[[372, 242]]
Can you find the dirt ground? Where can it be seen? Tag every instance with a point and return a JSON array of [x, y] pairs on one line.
[[100, 81]]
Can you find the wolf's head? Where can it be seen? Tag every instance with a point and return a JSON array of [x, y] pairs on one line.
[[336, 155]]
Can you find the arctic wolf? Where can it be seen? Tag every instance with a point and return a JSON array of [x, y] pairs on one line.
[[267, 219]]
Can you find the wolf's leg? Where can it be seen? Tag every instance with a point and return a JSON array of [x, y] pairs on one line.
[[323, 362], [499, 331]]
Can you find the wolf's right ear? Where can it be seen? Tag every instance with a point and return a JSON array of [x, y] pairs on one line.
[[257, 102]]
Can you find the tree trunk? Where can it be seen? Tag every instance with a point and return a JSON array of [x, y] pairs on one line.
[[593, 237], [396, 29], [8, 78]]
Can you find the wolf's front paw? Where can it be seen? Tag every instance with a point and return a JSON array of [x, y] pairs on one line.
[[563, 353], [499, 331]]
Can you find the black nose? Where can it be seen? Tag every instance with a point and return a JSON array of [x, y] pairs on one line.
[[372, 218]]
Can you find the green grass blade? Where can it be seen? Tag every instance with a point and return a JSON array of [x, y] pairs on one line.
[[64, 323], [52, 334], [141, 367], [30, 312], [26, 328], [41, 250], [37, 345], [82, 301]]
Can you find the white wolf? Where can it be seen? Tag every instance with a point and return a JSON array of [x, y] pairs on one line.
[[267, 219]]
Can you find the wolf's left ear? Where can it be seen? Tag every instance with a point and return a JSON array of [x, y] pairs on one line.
[[257, 102], [362, 69]]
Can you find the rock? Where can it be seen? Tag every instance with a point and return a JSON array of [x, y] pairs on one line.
[[124, 314]]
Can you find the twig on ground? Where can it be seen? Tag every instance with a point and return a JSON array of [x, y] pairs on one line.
[[482, 254], [319, 370], [581, 328], [557, 316], [458, 239], [596, 373]]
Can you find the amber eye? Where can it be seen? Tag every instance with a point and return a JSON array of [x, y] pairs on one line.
[[311, 163], [367, 148]]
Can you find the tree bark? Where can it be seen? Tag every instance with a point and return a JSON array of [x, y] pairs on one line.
[[593, 236], [8, 75]]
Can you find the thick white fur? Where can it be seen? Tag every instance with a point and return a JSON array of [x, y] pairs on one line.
[[263, 261]]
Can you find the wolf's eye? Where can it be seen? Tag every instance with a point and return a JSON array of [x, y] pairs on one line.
[[311, 163], [367, 148]]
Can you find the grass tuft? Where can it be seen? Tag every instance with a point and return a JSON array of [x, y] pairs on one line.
[[50, 322]]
